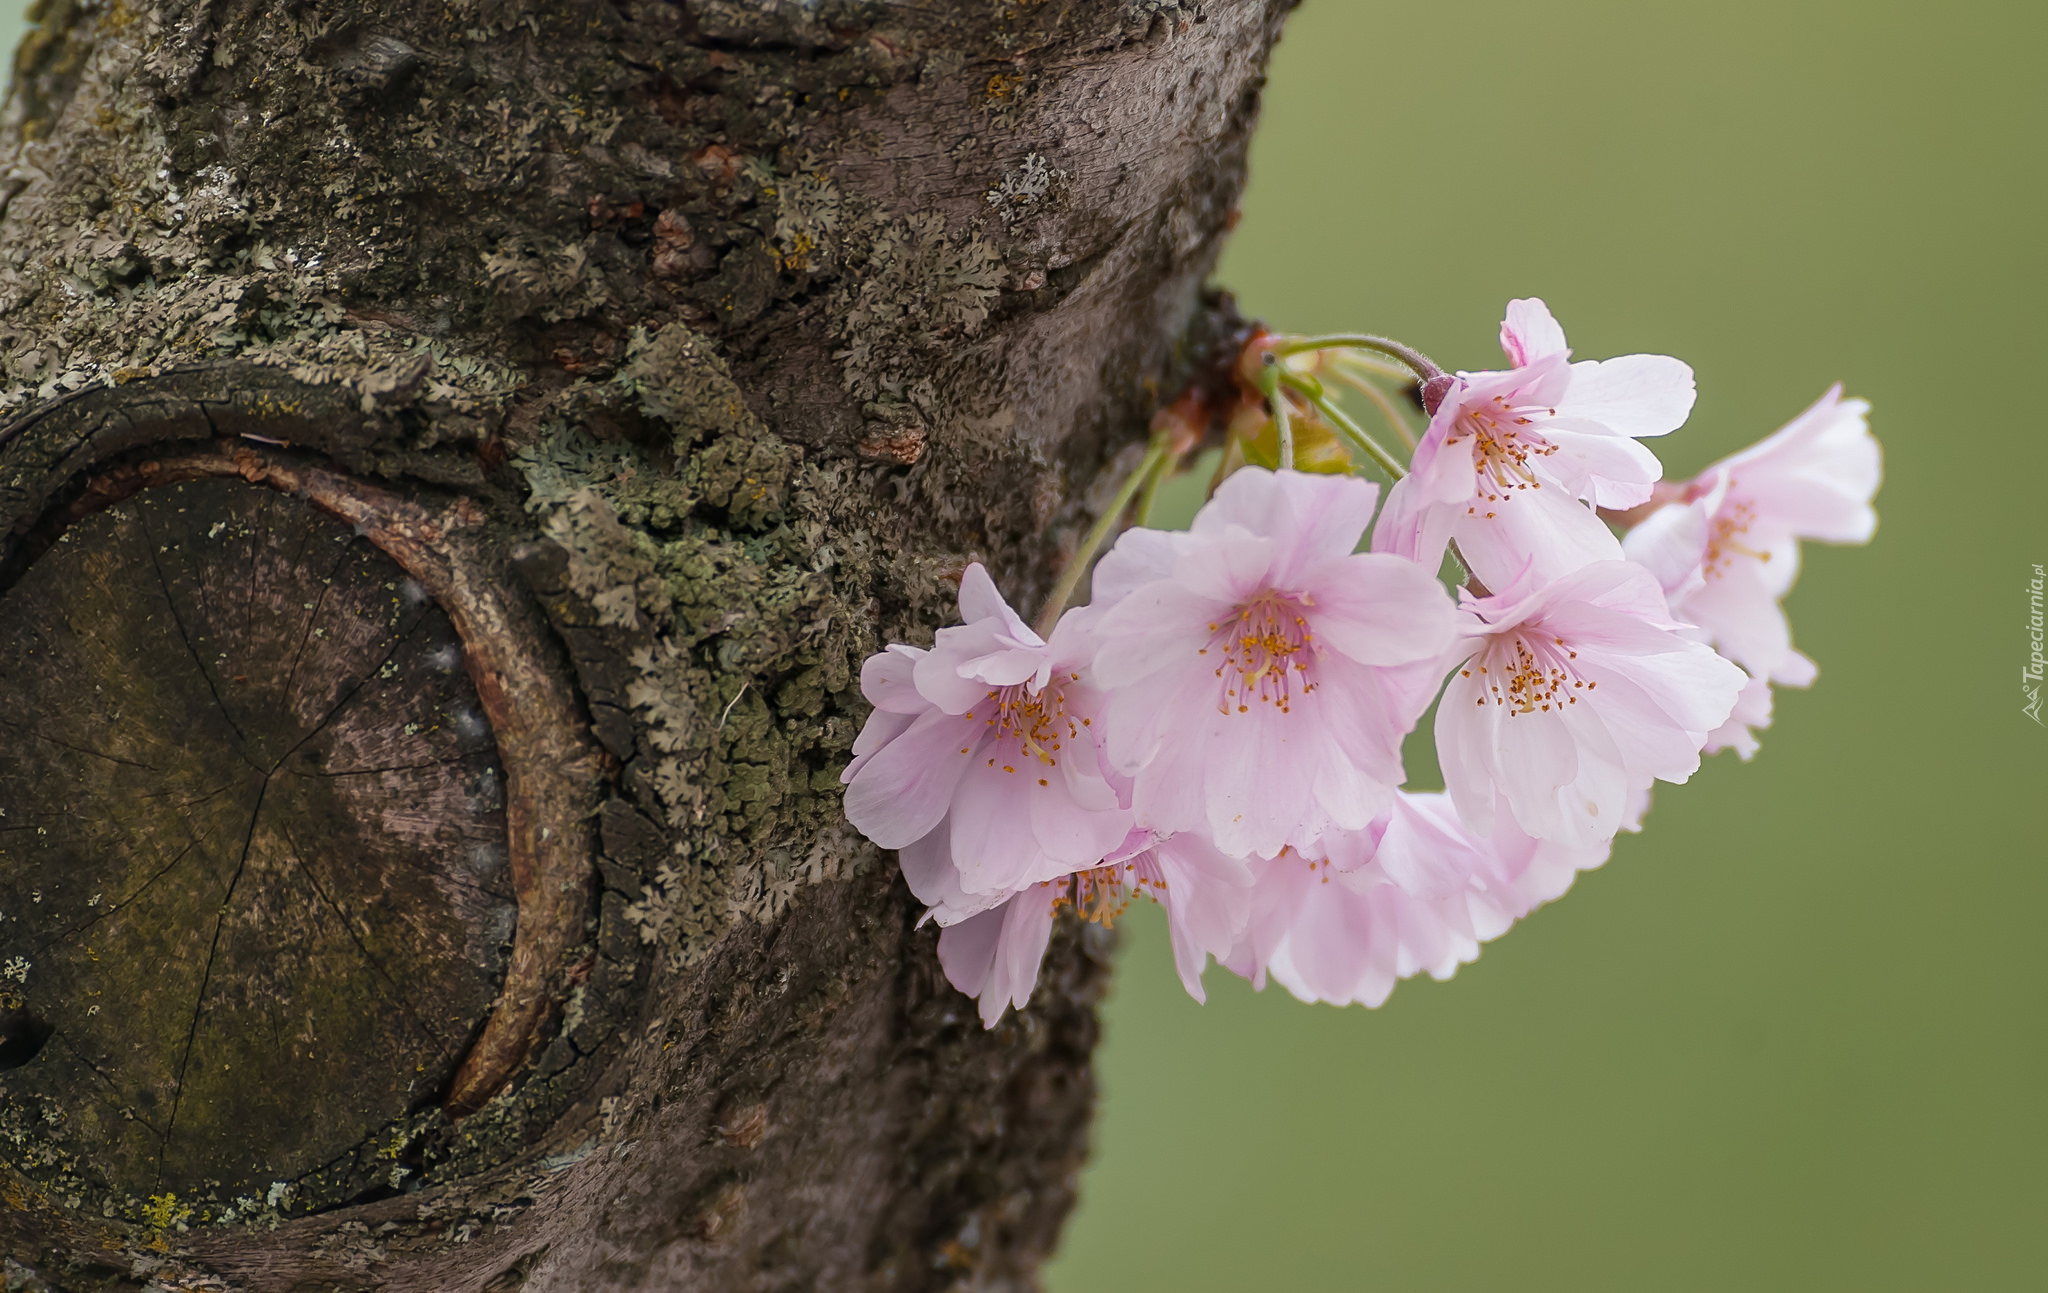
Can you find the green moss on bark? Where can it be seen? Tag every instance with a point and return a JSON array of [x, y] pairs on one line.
[[746, 327]]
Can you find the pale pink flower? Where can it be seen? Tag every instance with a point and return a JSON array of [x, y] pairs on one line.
[[1415, 892], [988, 741], [1639, 793], [1752, 714], [1727, 550], [1573, 695], [994, 955], [1260, 673], [1509, 456]]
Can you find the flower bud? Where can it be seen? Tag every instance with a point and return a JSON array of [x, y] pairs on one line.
[[1434, 390]]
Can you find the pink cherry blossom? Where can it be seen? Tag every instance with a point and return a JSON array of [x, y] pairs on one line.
[[1206, 896], [1574, 694], [994, 955], [1752, 714], [1509, 456], [987, 741], [1727, 550], [1260, 673], [1417, 891]]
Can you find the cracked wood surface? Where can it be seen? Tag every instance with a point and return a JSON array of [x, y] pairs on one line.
[[253, 864], [805, 306]]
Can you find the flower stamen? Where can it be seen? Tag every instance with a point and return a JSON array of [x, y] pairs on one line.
[[1101, 895], [1033, 725], [1723, 539], [1264, 646], [1537, 675], [1501, 446]]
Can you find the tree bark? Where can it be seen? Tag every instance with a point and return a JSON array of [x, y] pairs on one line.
[[457, 458]]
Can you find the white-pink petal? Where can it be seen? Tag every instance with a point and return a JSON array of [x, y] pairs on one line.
[[979, 600], [1540, 535], [1206, 896], [995, 956], [1259, 692], [1814, 477], [1604, 469], [1528, 332], [1751, 715], [1509, 456], [929, 871], [902, 790], [1670, 543], [1737, 604], [1573, 694], [1632, 395], [1419, 891], [1378, 610], [1316, 517], [887, 682]]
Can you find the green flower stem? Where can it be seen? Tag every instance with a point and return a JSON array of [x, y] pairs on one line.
[[1084, 556], [1470, 580], [1353, 432], [1380, 401], [1373, 364], [1422, 365], [1161, 471], [1270, 378]]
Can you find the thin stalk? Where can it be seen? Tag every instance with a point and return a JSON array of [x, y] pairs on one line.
[[1379, 401], [1355, 434], [1148, 499], [1084, 556], [1470, 581], [1422, 365], [1372, 363], [1270, 378]]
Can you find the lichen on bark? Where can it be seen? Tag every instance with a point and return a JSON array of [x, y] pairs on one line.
[[742, 328]]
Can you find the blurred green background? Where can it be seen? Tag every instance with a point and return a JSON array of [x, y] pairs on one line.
[[1792, 1037]]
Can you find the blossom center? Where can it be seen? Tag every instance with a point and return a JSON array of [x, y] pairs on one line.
[[1265, 647], [1503, 442], [1530, 673], [1102, 894], [1725, 538], [1027, 729]]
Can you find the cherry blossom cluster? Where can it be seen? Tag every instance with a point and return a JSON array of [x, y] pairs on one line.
[[1221, 726]]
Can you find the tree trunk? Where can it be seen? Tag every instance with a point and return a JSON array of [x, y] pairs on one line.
[[457, 458]]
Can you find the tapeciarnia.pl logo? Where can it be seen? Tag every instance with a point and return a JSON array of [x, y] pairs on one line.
[[2030, 677]]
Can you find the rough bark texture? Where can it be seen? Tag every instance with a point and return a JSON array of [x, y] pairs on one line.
[[276, 729], [678, 355]]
